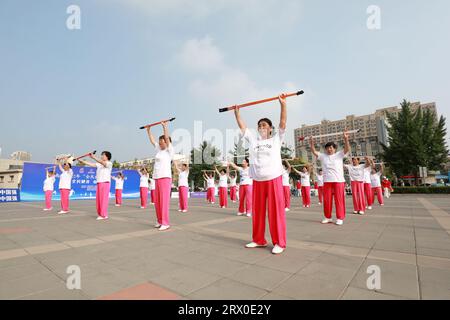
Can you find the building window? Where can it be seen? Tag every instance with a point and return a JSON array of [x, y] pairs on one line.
[[11, 178], [2, 178]]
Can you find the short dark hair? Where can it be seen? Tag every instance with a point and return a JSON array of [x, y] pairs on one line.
[[331, 144], [163, 137], [267, 120], [107, 154], [223, 171], [246, 159], [70, 166]]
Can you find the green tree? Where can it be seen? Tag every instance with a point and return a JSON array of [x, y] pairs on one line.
[[286, 151], [239, 152], [203, 158], [116, 164], [415, 139]]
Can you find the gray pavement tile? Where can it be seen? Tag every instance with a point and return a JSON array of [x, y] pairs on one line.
[[226, 289], [260, 277], [352, 293]]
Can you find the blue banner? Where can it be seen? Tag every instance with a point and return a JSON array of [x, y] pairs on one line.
[[84, 184], [9, 195]]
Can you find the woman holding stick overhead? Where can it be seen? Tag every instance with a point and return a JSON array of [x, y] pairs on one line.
[[49, 184], [245, 188], [333, 177], [356, 172], [375, 178], [162, 173], [266, 170], [223, 186], [143, 186], [183, 186], [65, 184], [119, 179], [319, 177], [287, 185], [104, 168], [210, 187], [233, 187], [305, 178]]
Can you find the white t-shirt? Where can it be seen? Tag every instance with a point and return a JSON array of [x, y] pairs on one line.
[[333, 166], [233, 182], [104, 173], [319, 180], [305, 179], [183, 179], [357, 173], [163, 162], [375, 180], [210, 183], [65, 179], [119, 183], [49, 183], [245, 177], [152, 184], [367, 176], [286, 178], [223, 181], [143, 181], [265, 155]]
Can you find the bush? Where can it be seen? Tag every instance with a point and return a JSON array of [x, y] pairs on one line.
[[422, 190]]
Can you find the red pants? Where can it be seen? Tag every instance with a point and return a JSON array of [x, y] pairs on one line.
[[336, 190], [102, 198], [152, 196], [144, 196], [358, 196], [368, 193], [306, 196], [118, 196], [210, 195], [233, 194], [245, 198], [64, 199], [320, 191], [162, 200], [48, 199], [269, 195], [183, 197], [223, 196], [287, 196], [379, 193]]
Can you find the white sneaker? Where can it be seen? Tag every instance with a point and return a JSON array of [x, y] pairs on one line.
[[277, 249], [382, 204], [308, 206], [163, 228], [287, 209], [102, 218], [320, 203], [252, 245], [117, 205], [355, 212], [325, 221], [370, 208], [362, 213], [62, 212], [157, 225], [179, 210], [240, 214], [339, 222], [46, 209], [184, 211], [142, 207], [249, 215]]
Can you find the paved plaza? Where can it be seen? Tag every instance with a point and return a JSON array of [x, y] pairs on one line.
[[203, 256]]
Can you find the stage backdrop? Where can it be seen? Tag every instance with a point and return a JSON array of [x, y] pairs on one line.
[[83, 183]]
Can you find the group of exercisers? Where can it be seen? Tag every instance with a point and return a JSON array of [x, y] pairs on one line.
[[264, 186]]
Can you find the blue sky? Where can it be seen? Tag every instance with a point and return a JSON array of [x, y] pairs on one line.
[[136, 61]]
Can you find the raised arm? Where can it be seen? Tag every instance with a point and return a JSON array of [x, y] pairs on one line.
[[234, 166], [103, 163], [239, 120], [176, 164], [296, 171], [151, 137], [347, 147], [313, 148], [166, 132], [89, 164], [283, 113], [288, 165], [217, 171]]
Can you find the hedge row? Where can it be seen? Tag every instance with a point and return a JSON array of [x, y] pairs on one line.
[[424, 190]]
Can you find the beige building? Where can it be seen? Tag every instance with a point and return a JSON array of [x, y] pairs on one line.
[[10, 173], [367, 142]]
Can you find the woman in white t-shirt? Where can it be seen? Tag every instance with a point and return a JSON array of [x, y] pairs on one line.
[[305, 178], [368, 189], [104, 168], [287, 185], [319, 178], [245, 188], [143, 186], [333, 178], [65, 184], [266, 170], [162, 173], [152, 186], [210, 186], [120, 179], [223, 186], [375, 180], [183, 186], [49, 184], [233, 187], [356, 172]]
